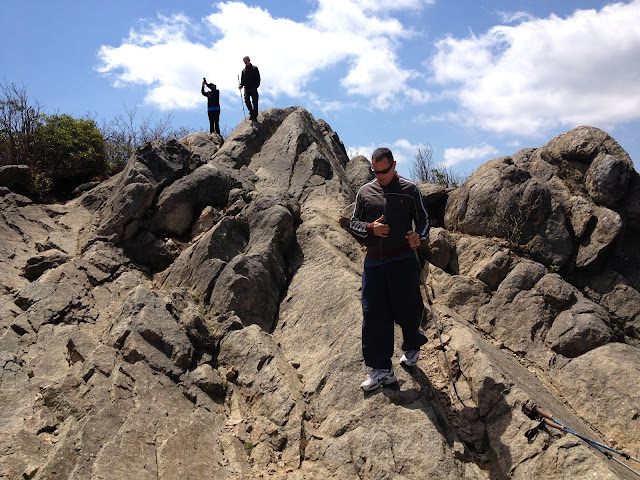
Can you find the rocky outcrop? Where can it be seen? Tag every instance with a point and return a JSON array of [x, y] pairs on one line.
[[13, 176], [198, 316], [566, 202]]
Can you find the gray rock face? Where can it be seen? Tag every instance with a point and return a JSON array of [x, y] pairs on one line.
[[13, 175], [180, 203], [566, 196], [198, 316], [47, 260], [579, 330], [359, 172], [203, 144]]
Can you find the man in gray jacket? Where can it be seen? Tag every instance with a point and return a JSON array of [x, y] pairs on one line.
[[384, 216]]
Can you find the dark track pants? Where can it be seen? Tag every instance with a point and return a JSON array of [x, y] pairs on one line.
[[214, 121], [390, 293], [251, 96]]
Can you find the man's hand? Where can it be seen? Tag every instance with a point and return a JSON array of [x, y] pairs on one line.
[[380, 229], [413, 238]]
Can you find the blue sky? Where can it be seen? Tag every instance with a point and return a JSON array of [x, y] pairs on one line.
[[475, 79]]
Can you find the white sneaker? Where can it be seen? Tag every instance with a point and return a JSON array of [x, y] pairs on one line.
[[377, 378], [410, 357]]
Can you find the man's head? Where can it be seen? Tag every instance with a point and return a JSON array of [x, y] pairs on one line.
[[383, 165], [246, 60], [212, 86]]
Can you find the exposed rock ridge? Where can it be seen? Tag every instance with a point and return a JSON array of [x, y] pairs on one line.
[[198, 317]]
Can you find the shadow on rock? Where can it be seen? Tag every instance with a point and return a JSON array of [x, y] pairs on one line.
[[421, 399], [479, 427]]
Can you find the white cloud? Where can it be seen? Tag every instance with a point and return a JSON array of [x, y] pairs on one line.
[[403, 150], [388, 5], [376, 74], [453, 156], [162, 58], [358, 34], [512, 17], [547, 73], [364, 150]]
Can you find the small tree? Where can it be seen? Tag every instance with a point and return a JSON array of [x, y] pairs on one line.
[[70, 151], [422, 164], [71, 148], [125, 133], [424, 170], [19, 121], [445, 176]]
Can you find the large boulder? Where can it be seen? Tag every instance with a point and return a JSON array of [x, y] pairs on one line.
[[203, 144], [602, 377], [578, 179], [180, 204], [501, 199], [152, 167], [358, 172], [146, 330], [198, 267], [12, 176]]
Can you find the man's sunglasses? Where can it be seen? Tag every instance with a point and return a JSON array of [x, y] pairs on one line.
[[381, 172]]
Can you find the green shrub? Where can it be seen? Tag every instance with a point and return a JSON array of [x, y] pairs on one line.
[[63, 152], [248, 446], [71, 151]]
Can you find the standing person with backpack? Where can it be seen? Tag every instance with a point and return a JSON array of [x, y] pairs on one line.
[[384, 216], [250, 80], [213, 106]]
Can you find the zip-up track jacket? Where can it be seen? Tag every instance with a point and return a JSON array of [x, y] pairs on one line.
[[401, 204], [250, 77]]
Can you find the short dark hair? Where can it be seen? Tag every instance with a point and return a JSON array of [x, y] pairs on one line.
[[381, 153]]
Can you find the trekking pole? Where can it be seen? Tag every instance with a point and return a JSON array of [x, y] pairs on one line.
[[244, 115], [548, 416], [536, 413], [435, 322]]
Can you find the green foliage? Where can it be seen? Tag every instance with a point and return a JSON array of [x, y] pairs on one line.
[[71, 151], [117, 157], [62, 152], [41, 185], [248, 446]]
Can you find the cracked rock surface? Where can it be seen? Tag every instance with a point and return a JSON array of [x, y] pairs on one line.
[[198, 317]]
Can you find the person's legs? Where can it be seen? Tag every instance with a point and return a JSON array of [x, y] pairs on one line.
[[406, 302], [212, 121], [247, 101], [254, 99], [216, 121], [377, 323]]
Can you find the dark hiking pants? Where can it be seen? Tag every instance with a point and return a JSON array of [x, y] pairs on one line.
[[214, 121], [251, 96], [390, 294]]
